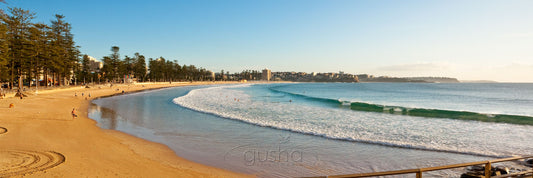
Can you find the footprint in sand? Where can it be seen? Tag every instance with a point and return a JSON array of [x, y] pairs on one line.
[[20, 162]]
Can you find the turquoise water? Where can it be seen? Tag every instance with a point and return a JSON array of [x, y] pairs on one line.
[[306, 129], [510, 103]]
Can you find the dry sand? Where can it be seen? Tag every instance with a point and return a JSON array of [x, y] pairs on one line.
[[39, 138]]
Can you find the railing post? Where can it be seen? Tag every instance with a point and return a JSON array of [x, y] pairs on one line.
[[487, 170], [419, 174]]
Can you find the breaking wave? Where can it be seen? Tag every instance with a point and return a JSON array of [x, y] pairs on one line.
[[420, 112], [378, 126]]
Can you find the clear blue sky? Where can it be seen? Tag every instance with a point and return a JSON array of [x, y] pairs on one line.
[[474, 39]]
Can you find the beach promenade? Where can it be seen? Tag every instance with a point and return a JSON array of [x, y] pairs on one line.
[[40, 138]]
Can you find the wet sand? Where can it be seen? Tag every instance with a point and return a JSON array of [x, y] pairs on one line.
[[40, 138]]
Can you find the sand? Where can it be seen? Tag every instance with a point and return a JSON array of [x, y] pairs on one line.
[[40, 138]]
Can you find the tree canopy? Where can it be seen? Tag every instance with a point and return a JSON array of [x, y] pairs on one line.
[[29, 50], [46, 54]]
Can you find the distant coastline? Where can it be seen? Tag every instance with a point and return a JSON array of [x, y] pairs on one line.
[[344, 77], [412, 79]]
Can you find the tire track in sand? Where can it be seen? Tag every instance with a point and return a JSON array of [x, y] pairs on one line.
[[20, 162]]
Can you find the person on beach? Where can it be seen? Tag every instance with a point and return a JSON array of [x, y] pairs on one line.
[[19, 93], [74, 113]]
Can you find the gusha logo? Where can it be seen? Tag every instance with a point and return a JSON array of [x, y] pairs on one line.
[[280, 153]]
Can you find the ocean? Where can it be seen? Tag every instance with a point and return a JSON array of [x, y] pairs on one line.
[[312, 129]]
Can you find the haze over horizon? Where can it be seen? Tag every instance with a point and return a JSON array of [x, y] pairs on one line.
[[468, 40]]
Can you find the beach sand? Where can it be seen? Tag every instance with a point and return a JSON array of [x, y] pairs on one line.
[[40, 138]]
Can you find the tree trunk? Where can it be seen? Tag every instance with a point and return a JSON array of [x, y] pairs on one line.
[[45, 71], [12, 81], [20, 83], [59, 77]]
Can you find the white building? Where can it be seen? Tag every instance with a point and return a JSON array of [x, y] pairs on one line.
[[266, 75], [94, 65]]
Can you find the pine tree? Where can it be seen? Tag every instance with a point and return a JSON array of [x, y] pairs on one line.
[[139, 68], [39, 50], [4, 49], [115, 62], [18, 24], [64, 53], [107, 69], [84, 74]]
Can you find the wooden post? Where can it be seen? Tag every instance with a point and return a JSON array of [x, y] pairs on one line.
[[487, 170], [419, 174]]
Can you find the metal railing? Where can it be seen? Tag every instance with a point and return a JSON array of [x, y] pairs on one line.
[[419, 171]]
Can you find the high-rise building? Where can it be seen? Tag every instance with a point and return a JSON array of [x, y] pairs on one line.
[[94, 65], [266, 75], [212, 75]]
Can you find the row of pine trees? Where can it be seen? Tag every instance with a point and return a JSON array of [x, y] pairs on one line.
[[29, 50], [160, 70]]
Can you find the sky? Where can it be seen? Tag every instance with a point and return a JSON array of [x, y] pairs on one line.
[[468, 40]]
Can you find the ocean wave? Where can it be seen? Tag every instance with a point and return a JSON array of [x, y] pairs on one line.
[[419, 112], [443, 135]]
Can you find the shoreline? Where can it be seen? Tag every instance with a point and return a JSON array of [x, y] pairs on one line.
[[41, 127]]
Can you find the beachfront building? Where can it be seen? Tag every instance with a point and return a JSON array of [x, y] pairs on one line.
[[212, 75], [94, 65], [266, 75]]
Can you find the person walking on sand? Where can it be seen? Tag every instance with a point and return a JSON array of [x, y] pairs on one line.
[[74, 113]]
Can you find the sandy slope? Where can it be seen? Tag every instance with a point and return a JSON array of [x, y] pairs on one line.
[[39, 138]]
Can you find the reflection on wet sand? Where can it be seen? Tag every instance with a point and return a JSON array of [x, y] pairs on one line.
[[108, 117]]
